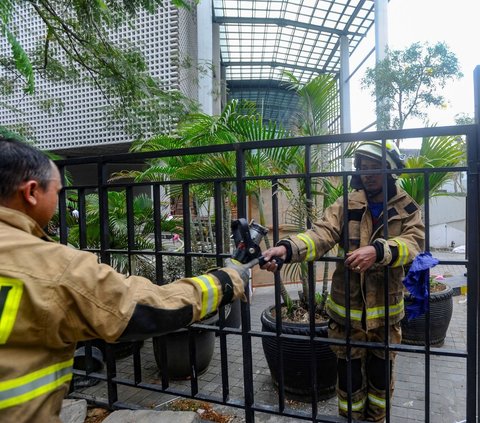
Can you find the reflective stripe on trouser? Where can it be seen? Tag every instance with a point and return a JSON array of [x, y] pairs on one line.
[[32, 385], [372, 312], [376, 405], [359, 400], [209, 294], [371, 405], [355, 315]]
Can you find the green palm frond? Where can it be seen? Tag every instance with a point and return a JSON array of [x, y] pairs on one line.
[[157, 143], [318, 103], [332, 191], [143, 223], [220, 165], [435, 152]]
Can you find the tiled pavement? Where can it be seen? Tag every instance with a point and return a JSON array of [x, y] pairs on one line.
[[447, 377]]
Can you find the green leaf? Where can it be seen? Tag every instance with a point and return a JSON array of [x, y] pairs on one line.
[[22, 62]]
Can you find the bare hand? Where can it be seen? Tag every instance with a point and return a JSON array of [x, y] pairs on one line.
[[269, 254], [362, 259]]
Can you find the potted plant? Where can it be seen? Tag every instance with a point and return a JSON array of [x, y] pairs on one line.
[[295, 316], [297, 376], [317, 108], [441, 308], [238, 122], [442, 152], [172, 350]]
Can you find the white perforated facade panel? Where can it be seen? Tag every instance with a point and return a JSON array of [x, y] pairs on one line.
[[166, 38]]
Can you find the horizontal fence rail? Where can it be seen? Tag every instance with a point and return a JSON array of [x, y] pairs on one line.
[[174, 226]]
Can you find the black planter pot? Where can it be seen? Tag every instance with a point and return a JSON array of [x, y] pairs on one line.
[[177, 347], [233, 316], [296, 358], [441, 308]]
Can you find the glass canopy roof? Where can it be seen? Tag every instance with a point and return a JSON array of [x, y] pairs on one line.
[[261, 39]]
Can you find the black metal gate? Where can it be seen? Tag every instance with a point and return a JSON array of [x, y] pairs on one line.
[[157, 260]]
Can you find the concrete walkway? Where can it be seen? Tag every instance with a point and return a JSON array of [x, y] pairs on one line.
[[447, 374]]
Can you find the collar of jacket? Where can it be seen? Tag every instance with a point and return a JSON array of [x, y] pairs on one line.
[[358, 199], [21, 221]]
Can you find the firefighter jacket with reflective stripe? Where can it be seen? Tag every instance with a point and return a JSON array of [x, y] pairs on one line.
[[405, 235], [52, 296]]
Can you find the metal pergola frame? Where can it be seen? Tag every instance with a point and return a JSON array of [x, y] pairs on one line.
[[259, 40]]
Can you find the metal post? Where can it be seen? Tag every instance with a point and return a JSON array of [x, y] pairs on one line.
[[473, 224], [381, 44], [346, 121], [246, 324]]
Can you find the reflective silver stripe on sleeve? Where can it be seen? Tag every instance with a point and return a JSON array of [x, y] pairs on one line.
[[209, 294], [402, 253], [32, 385], [311, 251]]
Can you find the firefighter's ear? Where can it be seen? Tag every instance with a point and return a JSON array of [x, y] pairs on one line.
[[29, 192]]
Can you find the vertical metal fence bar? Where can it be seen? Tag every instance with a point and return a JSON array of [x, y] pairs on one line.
[[157, 231], [131, 242], [62, 208], [426, 204], [137, 363], [102, 177], [192, 346], [218, 206], [130, 227], [82, 219], [476, 292], [246, 325], [473, 242], [348, 347], [187, 229], [187, 219], [386, 298], [311, 282], [278, 300], [103, 211], [157, 218], [111, 365]]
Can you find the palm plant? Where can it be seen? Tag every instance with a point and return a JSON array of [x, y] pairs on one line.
[[318, 108], [118, 227], [239, 122], [435, 152]]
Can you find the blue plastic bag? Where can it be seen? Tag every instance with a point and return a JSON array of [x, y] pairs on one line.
[[417, 282]]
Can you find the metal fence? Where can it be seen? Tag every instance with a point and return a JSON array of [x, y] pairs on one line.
[[131, 255]]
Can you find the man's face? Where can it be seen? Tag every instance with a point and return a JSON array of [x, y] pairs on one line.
[[48, 199], [374, 182]]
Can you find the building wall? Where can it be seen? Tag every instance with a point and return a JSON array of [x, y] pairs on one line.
[[447, 221], [188, 47], [165, 38]]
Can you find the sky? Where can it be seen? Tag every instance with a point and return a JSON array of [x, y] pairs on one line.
[[457, 23]]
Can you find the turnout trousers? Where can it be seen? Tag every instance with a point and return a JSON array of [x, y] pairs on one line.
[[368, 372]]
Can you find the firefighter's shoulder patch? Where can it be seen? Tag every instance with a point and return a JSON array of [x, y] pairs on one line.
[[411, 208]]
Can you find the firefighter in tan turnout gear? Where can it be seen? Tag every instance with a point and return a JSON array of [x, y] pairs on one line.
[[368, 256], [52, 296]]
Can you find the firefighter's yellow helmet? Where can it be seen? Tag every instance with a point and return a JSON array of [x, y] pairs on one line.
[[374, 150]]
